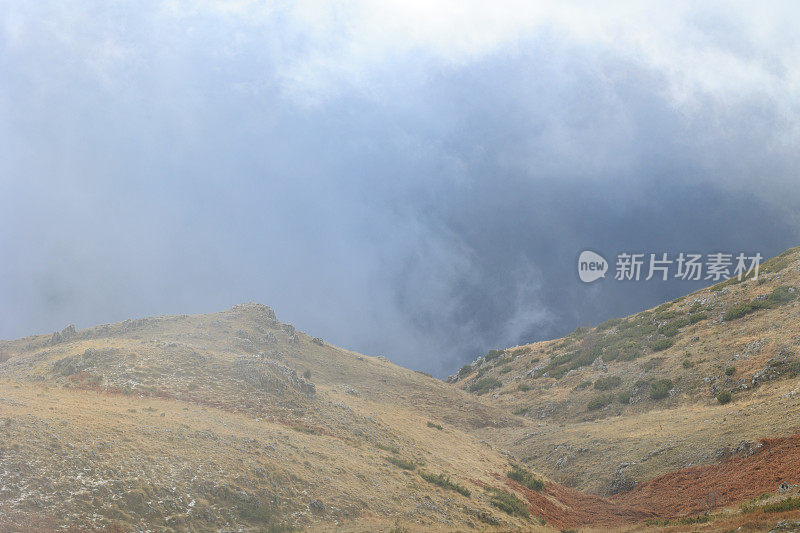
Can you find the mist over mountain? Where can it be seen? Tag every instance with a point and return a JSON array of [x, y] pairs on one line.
[[420, 191]]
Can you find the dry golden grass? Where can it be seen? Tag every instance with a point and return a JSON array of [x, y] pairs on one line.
[[177, 424]]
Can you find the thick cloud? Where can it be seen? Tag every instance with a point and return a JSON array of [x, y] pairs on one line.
[[415, 181]]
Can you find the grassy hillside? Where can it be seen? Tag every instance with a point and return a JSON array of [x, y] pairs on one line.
[[685, 383], [234, 420]]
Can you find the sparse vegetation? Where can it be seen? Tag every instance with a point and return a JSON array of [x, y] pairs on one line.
[[624, 397], [399, 462], [787, 504], [724, 397], [731, 370], [598, 402], [779, 295], [661, 344], [585, 384], [388, 448], [608, 383], [660, 388], [444, 482], [493, 354], [434, 425], [507, 502], [694, 318], [523, 387], [465, 371], [608, 324], [524, 478], [484, 385]]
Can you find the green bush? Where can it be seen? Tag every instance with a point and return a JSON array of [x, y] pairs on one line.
[[694, 318], [507, 502], [668, 330], [660, 388], [599, 402], [434, 426], [493, 354], [624, 397], [731, 370], [484, 385], [687, 364], [724, 397], [523, 387], [789, 504], [608, 383], [661, 344], [779, 295], [465, 371], [444, 482], [524, 478], [585, 384], [405, 464], [388, 448], [744, 309], [609, 324]]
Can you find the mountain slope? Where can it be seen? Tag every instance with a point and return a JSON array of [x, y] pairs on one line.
[[232, 420], [236, 421], [686, 383]]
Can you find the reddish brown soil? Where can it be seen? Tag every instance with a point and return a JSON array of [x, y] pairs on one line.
[[697, 489], [562, 507], [686, 492]]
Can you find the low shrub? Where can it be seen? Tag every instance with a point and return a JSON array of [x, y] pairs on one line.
[[608, 383], [465, 371], [444, 482], [484, 385], [434, 426], [694, 318], [399, 462], [724, 397], [660, 388], [523, 387], [507, 502], [624, 397], [608, 324], [388, 448], [731, 370], [788, 504], [585, 384], [524, 478], [661, 344], [779, 295], [493, 354], [599, 402]]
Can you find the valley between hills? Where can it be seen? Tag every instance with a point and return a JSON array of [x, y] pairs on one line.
[[684, 417]]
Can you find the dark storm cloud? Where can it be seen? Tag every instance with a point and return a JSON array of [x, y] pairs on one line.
[[428, 212]]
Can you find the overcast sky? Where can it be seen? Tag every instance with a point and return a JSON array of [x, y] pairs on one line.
[[412, 179]]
